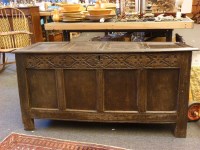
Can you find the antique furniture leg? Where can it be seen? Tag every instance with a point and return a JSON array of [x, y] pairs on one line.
[[181, 123], [181, 128], [28, 123], [182, 110], [169, 34], [24, 97]]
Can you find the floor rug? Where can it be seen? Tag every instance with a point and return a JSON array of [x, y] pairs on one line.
[[17, 141]]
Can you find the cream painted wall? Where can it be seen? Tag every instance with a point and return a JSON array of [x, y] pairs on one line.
[[187, 6]]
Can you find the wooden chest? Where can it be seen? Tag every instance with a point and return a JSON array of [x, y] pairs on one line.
[[105, 82]]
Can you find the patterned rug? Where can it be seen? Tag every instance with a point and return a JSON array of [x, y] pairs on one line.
[[17, 141]]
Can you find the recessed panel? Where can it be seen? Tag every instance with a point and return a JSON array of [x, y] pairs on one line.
[[162, 89], [120, 90], [120, 46], [83, 46], [51, 46], [80, 89], [42, 88]]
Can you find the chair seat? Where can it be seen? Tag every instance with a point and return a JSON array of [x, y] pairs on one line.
[[15, 32], [7, 50]]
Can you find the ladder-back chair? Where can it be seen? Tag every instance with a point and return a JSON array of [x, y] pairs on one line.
[[14, 32]]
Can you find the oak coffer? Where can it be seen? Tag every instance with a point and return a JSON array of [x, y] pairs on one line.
[[105, 82]]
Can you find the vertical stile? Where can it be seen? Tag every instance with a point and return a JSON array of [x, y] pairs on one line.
[[100, 90], [4, 42], [142, 90]]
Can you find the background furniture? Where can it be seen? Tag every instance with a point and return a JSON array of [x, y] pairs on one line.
[[164, 28], [33, 16], [14, 32], [46, 16], [196, 11], [105, 82]]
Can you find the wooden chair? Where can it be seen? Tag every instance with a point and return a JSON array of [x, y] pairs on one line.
[[14, 32]]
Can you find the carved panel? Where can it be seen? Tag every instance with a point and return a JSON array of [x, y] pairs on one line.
[[92, 61]]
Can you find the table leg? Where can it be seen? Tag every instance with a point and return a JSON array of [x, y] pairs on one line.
[[169, 34], [66, 35], [47, 35]]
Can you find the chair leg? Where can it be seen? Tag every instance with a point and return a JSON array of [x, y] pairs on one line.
[[4, 61], [2, 66], [4, 58]]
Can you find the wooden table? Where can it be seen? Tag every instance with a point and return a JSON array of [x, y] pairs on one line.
[[157, 27], [45, 15], [105, 82]]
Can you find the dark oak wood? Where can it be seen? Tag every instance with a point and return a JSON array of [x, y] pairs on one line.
[[142, 90], [105, 82], [123, 82], [162, 89], [80, 89], [38, 95]]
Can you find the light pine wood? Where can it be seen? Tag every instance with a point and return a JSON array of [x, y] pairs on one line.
[[45, 13], [186, 23], [14, 32]]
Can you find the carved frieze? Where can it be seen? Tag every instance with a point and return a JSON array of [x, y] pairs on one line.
[[92, 61]]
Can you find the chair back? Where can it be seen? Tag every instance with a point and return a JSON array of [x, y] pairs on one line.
[[13, 24]]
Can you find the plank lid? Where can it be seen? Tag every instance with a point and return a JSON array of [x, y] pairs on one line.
[[105, 47]]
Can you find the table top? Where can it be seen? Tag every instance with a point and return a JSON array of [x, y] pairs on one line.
[[104, 47], [186, 23]]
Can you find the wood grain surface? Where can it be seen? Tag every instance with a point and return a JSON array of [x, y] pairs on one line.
[[150, 86]]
